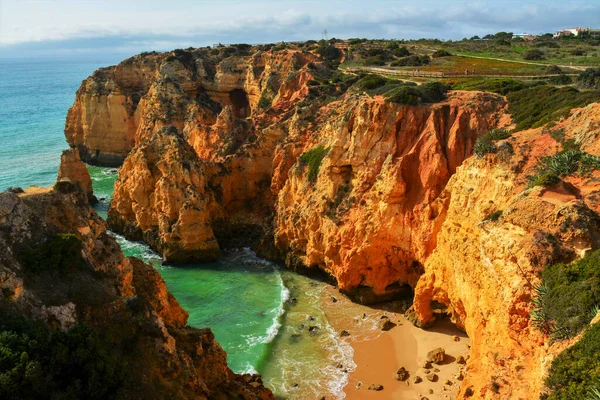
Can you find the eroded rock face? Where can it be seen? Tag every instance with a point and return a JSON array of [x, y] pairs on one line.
[[123, 298], [369, 217], [162, 197], [119, 107], [72, 168], [485, 272]]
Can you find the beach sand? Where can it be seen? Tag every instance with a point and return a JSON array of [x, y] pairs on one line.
[[378, 355]]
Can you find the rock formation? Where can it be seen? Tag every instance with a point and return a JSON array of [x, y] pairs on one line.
[[71, 167], [96, 286], [385, 198]]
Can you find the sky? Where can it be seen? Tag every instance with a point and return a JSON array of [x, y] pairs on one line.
[[32, 28]]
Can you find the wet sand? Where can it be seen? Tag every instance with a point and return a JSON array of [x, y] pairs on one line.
[[378, 355]]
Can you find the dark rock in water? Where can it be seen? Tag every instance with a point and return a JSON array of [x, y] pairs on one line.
[[313, 330], [436, 355], [293, 300], [295, 385], [375, 387], [333, 299], [301, 327], [113, 171], [385, 324], [295, 338], [310, 318], [402, 374], [344, 333]]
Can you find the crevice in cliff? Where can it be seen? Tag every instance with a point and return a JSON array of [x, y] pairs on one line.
[[240, 103]]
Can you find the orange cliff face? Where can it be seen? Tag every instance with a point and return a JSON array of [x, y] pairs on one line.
[[484, 271], [368, 218], [122, 298], [394, 204], [160, 198], [118, 107]]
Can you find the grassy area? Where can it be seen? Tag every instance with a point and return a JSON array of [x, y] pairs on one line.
[[539, 105], [313, 159], [568, 301]]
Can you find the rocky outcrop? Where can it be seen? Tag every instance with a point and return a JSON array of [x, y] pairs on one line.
[[483, 270], [123, 298], [161, 197], [118, 107], [369, 217], [72, 168]]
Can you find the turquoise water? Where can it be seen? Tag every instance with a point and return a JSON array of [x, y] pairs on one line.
[[34, 98], [245, 300], [259, 313]]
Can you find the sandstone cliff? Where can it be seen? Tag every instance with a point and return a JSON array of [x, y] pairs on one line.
[[72, 168], [270, 147], [484, 271], [90, 283]]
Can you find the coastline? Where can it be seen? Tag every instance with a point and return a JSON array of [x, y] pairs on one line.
[[378, 354]]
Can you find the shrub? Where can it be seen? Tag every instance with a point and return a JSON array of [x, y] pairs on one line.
[[571, 292], [370, 82], [495, 216], [60, 253], [501, 86], [589, 79], [36, 363], [313, 159], [401, 52], [411, 61], [440, 53], [575, 372], [329, 53], [551, 169], [560, 80], [485, 143], [264, 103], [539, 105], [533, 54], [432, 92], [404, 95]]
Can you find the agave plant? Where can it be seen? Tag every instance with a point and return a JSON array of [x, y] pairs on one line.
[[594, 392]]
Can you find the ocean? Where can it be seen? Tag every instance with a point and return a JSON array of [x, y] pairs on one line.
[[260, 313]]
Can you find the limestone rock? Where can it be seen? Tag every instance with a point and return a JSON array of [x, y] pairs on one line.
[[375, 387], [402, 374], [436, 355], [71, 167], [431, 377], [161, 196]]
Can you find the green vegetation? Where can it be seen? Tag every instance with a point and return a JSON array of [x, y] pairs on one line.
[[401, 92], [551, 169], [533, 54], [589, 79], [264, 103], [495, 216], [575, 373], [411, 61], [501, 86], [568, 297], [60, 253], [313, 159], [37, 363], [536, 106], [485, 143], [329, 53]]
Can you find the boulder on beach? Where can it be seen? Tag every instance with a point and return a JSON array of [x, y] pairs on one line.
[[436, 355], [431, 377], [375, 387], [402, 374], [386, 324], [344, 333]]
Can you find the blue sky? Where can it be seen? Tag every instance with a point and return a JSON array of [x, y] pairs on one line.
[[67, 27]]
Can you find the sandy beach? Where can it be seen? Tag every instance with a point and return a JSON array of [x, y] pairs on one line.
[[378, 354]]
